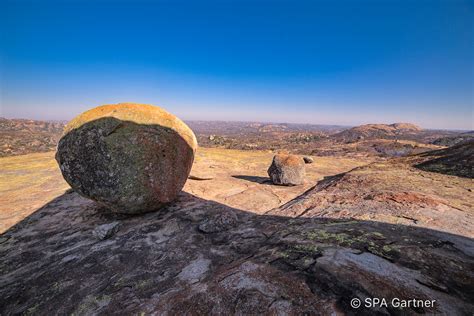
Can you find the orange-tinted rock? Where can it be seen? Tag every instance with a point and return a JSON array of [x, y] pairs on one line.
[[131, 158], [287, 170]]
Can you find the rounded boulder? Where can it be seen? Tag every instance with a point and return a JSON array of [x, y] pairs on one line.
[[287, 170], [131, 158]]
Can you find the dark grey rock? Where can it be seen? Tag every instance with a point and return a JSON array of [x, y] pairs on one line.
[[162, 264], [106, 230], [219, 223]]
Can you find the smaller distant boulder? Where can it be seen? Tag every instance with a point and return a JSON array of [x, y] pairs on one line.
[[287, 170], [308, 159]]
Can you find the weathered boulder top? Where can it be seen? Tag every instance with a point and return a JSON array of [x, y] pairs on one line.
[[138, 113], [288, 160]]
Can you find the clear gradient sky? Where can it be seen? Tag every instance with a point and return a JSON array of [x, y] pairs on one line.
[[324, 62]]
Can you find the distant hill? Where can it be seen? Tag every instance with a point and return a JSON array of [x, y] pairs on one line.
[[20, 136], [231, 128], [379, 131], [454, 140]]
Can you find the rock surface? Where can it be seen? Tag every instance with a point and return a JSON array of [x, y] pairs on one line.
[[131, 158], [393, 191], [240, 180], [287, 170], [105, 231], [162, 263], [387, 229]]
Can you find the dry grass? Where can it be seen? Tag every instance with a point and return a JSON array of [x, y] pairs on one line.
[[27, 182]]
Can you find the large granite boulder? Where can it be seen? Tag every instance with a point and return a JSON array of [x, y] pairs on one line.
[[287, 170], [131, 158]]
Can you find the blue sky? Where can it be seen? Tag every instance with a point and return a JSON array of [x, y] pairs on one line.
[[324, 62]]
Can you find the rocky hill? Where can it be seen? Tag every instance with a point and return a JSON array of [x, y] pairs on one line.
[[380, 131], [456, 160], [454, 140]]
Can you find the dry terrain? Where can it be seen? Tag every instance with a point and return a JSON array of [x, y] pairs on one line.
[[357, 228], [362, 225], [19, 136], [239, 180]]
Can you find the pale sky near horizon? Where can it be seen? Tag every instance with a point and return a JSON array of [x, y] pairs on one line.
[[322, 62]]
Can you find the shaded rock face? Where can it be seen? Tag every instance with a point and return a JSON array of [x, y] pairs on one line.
[[131, 158], [287, 170], [163, 263]]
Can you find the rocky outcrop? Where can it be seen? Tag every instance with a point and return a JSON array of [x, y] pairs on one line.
[[287, 170], [378, 131], [201, 257], [131, 158], [457, 160], [455, 140], [392, 191]]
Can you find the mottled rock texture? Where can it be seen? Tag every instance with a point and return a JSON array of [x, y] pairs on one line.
[[287, 170], [162, 263], [131, 158]]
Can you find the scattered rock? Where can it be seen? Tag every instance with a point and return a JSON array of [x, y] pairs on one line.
[[308, 159], [131, 158], [106, 230], [287, 170], [219, 223], [195, 270]]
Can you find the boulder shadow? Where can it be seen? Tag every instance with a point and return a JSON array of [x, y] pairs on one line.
[[256, 179]]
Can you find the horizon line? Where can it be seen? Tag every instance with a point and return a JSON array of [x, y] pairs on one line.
[[264, 122]]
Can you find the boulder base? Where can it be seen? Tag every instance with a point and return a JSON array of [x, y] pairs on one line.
[[131, 158]]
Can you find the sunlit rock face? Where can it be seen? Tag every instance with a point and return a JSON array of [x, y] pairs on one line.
[[131, 158]]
